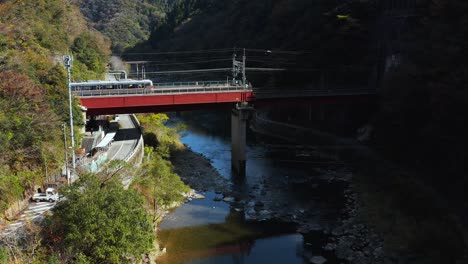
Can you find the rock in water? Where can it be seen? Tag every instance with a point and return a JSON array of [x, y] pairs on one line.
[[317, 260], [229, 199]]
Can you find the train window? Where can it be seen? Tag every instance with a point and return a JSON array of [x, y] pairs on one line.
[[110, 85]]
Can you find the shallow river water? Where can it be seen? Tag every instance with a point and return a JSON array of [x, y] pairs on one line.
[[282, 211]]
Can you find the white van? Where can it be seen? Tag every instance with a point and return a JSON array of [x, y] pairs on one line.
[[50, 195]]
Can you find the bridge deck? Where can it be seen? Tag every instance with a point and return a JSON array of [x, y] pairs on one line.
[[170, 97], [139, 100], [158, 90]]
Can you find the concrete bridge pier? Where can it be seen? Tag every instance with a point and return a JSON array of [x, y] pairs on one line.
[[239, 116]]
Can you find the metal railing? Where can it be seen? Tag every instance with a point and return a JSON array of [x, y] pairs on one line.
[[167, 88], [266, 93], [194, 83], [139, 142]]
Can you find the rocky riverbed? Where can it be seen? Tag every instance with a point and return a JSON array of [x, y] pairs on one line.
[[352, 239], [349, 237], [196, 171]]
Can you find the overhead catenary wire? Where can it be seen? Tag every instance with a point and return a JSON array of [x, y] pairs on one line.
[[212, 70], [188, 63], [274, 51], [178, 52], [156, 63], [188, 71], [202, 51], [273, 62]]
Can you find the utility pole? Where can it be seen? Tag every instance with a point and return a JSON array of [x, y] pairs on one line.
[[67, 61], [234, 69], [138, 74], [237, 68], [67, 173], [244, 79]]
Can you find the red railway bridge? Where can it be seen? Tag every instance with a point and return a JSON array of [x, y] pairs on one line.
[[174, 97], [202, 95]]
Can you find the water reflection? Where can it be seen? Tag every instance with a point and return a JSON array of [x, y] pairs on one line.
[[196, 213], [204, 231], [282, 249]]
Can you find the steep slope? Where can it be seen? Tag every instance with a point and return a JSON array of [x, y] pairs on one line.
[[33, 95], [333, 33], [125, 22]]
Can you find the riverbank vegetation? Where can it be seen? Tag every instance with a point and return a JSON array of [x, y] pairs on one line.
[[157, 182], [161, 187], [162, 139], [98, 221]]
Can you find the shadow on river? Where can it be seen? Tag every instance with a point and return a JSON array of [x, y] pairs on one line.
[[280, 213]]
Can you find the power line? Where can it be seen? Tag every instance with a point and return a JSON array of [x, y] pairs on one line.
[[272, 62], [265, 69], [270, 51], [186, 62], [179, 52], [212, 70], [188, 71], [291, 52]]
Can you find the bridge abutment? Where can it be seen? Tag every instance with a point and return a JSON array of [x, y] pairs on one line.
[[239, 117]]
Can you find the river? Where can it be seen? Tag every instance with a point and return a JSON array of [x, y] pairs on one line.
[[282, 212]]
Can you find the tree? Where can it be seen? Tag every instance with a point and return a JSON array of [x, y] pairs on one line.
[[27, 138], [100, 223], [125, 22], [157, 182], [163, 139], [160, 186], [89, 50]]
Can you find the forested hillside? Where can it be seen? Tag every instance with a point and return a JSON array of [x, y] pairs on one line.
[[422, 111], [33, 91], [333, 33], [125, 22]]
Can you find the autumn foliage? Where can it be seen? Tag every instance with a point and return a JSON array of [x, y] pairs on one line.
[[33, 93]]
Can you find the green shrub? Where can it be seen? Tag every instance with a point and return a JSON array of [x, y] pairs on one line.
[[3, 255]]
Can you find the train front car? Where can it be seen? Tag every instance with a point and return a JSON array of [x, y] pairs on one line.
[[101, 88]]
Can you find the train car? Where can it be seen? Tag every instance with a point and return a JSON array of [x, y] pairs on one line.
[[104, 85]]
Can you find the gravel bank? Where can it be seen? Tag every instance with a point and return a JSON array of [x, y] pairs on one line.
[[350, 239], [196, 171]]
